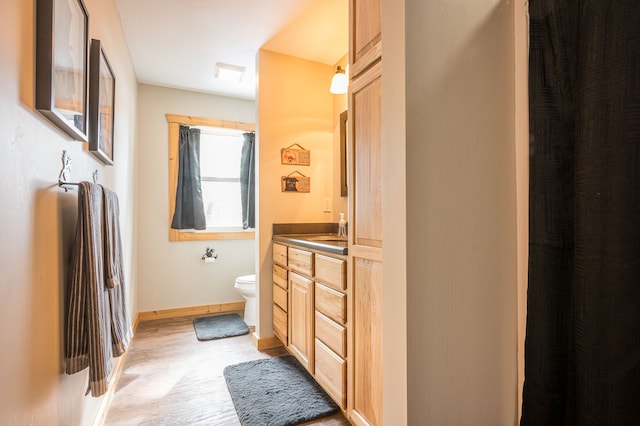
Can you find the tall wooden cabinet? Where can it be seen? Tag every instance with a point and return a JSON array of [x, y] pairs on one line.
[[364, 391]]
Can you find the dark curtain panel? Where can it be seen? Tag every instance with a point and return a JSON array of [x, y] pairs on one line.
[[248, 181], [189, 213], [582, 349]]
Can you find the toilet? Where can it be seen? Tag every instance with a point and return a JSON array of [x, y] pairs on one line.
[[246, 286]]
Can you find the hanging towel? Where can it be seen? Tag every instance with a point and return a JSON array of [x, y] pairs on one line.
[[114, 275], [88, 330]]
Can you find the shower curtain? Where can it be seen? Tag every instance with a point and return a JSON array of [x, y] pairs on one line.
[[582, 349]]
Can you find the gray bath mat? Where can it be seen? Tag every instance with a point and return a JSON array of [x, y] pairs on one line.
[[276, 392], [219, 326]]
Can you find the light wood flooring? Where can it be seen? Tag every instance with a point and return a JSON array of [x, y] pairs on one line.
[[171, 378]]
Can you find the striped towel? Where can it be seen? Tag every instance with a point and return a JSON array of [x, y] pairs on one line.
[[114, 275], [88, 328]]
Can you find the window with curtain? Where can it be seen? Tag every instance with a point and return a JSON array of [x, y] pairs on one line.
[[224, 160], [220, 155]]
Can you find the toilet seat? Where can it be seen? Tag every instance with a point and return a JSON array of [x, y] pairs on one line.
[[246, 279]]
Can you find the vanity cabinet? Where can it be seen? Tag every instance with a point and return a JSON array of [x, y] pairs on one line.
[[313, 305], [280, 293]]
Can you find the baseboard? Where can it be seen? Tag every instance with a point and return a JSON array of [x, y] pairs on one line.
[[265, 342], [194, 310], [134, 325], [101, 416]]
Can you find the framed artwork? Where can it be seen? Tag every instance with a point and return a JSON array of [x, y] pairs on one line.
[[102, 92], [291, 183], [62, 39], [298, 156]]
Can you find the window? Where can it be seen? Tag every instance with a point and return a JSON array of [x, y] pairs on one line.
[[220, 151], [220, 148]]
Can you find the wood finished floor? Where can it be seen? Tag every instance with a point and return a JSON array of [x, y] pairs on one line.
[[171, 378]]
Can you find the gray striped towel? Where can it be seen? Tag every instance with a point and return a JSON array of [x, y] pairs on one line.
[[88, 328], [114, 275]]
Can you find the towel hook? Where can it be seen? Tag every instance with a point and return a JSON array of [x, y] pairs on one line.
[[65, 173]]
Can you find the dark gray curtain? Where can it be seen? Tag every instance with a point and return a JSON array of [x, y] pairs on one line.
[[189, 212], [248, 181], [582, 348]]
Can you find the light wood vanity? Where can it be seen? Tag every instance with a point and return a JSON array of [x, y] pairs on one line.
[[310, 312]]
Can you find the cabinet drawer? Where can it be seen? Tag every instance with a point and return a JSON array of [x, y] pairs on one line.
[[331, 303], [301, 261], [280, 324], [280, 254], [280, 297], [331, 271], [331, 334], [331, 373], [280, 276]]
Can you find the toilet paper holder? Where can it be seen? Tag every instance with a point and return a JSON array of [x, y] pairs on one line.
[[209, 255]]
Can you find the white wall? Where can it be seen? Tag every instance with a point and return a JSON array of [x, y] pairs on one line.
[[172, 274], [294, 106], [461, 212], [38, 221]]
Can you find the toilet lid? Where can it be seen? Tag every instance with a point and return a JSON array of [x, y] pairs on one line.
[[246, 279]]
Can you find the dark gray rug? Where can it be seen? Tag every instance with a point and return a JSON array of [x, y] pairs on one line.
[[219, 326], [276, 392]]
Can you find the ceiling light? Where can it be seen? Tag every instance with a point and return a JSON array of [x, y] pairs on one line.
[[228, 72], [339, 82]]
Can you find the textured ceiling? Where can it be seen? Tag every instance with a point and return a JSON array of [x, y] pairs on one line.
[[177, 43]]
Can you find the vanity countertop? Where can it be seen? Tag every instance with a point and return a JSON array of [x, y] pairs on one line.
[[326, 242]]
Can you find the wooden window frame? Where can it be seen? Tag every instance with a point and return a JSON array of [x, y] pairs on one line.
[[174, 133]]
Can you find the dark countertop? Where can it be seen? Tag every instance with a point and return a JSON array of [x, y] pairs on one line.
[[316, 236], [329, 243]]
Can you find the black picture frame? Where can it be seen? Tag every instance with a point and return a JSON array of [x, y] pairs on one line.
[[102, 93], [62, 59]]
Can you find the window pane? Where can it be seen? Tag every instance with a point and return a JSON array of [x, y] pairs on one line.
[[222, 205], [220, 155]]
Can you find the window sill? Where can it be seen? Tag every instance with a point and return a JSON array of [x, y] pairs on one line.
[[175, 235]]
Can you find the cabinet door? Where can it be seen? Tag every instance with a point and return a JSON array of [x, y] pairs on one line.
[[367, 342], [365, 250], [365, 33], [301, 314]]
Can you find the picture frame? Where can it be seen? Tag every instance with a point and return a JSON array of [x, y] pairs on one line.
[[102, 92], [62, 49], [295, 156], [291, 183]]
